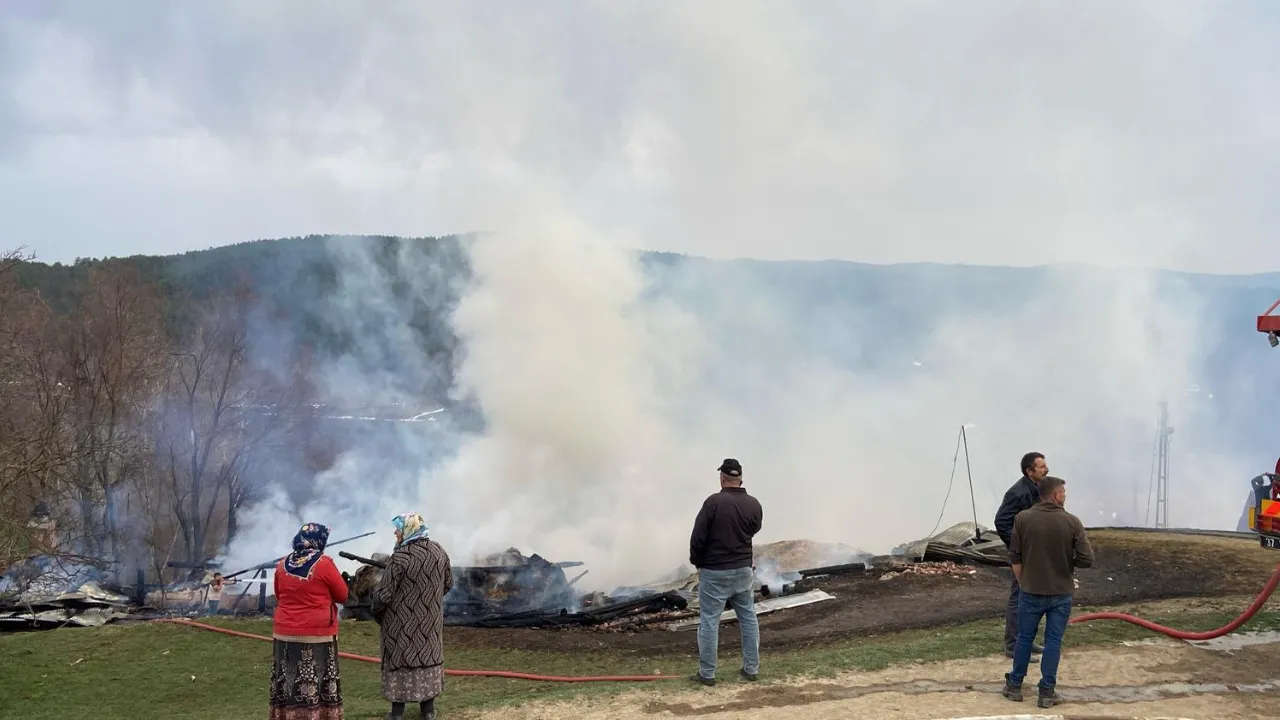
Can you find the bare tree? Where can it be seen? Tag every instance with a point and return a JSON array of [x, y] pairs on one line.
[[34, 452], [116, 352], [224, 414]]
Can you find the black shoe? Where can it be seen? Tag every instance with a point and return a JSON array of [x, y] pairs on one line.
[[1049, 700], [749, 677], [703, 681], [1011, 692]]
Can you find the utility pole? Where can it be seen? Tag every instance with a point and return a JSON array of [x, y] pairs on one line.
[[1162, 467]]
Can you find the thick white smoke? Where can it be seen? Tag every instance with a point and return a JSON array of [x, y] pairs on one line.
[[607, 409], [880, 132]]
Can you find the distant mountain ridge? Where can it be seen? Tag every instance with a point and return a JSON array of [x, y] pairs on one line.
[[356, 297]]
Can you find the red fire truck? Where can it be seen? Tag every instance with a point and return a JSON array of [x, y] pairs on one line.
[[1264, 516]]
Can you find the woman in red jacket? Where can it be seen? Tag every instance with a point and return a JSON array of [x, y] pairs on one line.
[[304, 674]]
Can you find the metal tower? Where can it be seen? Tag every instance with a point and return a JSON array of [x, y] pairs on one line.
[[1162, 467]]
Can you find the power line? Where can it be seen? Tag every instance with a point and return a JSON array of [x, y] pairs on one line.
[[954, 461]]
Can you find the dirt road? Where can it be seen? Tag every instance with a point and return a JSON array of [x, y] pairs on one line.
[[1163, 679]]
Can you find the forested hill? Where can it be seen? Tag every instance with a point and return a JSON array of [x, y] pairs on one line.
[[329, 294], [353, 297]]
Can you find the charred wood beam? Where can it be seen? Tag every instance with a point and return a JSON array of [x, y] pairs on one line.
[[834, 570], [671, 600], [489, 569], [495, 569], [272, 563]]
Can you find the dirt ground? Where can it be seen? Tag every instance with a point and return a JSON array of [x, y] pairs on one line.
[[1161, 679], [1131, 566]]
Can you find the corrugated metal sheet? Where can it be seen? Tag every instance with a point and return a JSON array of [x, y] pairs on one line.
[[958, 534]]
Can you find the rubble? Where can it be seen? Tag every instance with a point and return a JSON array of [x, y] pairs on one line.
[[46, 592], [512, 590], [612, 611], [504, 590], [71, 609], [963, 542], [793, 555], [935, 569], [512, 585]]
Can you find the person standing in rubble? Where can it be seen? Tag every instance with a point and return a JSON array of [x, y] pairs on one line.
[[720, 549], [408, 603], [1024, 494], [305, 684], [1048, 544], [213, 597]]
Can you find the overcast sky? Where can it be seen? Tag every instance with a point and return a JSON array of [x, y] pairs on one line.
[[1014, 132]]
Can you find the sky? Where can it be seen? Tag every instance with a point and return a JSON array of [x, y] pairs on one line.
[[1010, 132], [997, 132]]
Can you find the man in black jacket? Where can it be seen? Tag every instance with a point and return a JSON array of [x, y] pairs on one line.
[[1024, 494], [720, 548]]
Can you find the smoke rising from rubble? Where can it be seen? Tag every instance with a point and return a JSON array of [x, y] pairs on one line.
[[610, 392], [611, 387]]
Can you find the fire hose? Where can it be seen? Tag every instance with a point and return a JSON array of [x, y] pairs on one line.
[[1230, 627], [457, 673]]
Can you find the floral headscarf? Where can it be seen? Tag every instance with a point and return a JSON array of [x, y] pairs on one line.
[[308, 548], [411, 526]]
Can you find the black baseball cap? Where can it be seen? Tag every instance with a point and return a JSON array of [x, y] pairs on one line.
[[731, 467]]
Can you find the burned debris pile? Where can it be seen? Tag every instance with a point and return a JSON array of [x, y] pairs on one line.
[[960, 543], [506, 590], [516, 591], [44, 592]]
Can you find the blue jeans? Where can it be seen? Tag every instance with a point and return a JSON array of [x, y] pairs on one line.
[[1056, 611], [716, 590]]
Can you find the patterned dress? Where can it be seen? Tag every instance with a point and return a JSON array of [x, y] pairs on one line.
[[305, 684], [409, 604]]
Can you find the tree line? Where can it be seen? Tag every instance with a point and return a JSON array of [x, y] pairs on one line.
[[139, 438]]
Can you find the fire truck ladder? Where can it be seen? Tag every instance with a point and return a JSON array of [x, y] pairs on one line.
[[1270, 324]]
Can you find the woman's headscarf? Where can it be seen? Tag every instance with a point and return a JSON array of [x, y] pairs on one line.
[[411, 526], [308, 548]]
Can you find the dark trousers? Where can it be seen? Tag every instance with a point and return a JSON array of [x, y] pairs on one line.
[[1011, 616], [1056, 611]]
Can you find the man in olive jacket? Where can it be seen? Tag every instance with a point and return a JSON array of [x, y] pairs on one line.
[[1047, 545]]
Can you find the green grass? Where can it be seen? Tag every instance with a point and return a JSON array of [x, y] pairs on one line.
[[165, 671]]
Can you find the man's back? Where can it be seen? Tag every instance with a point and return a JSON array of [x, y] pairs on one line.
[[723, 530], [1022, 495], [1049, 543]]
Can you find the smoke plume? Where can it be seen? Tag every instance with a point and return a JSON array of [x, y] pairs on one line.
[[611, 384]]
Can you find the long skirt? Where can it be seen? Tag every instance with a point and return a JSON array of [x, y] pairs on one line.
[[412, 685], [304, 681]]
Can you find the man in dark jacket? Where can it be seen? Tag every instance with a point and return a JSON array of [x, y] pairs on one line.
[[1024, 493], [1048, 544], [720, 548]]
